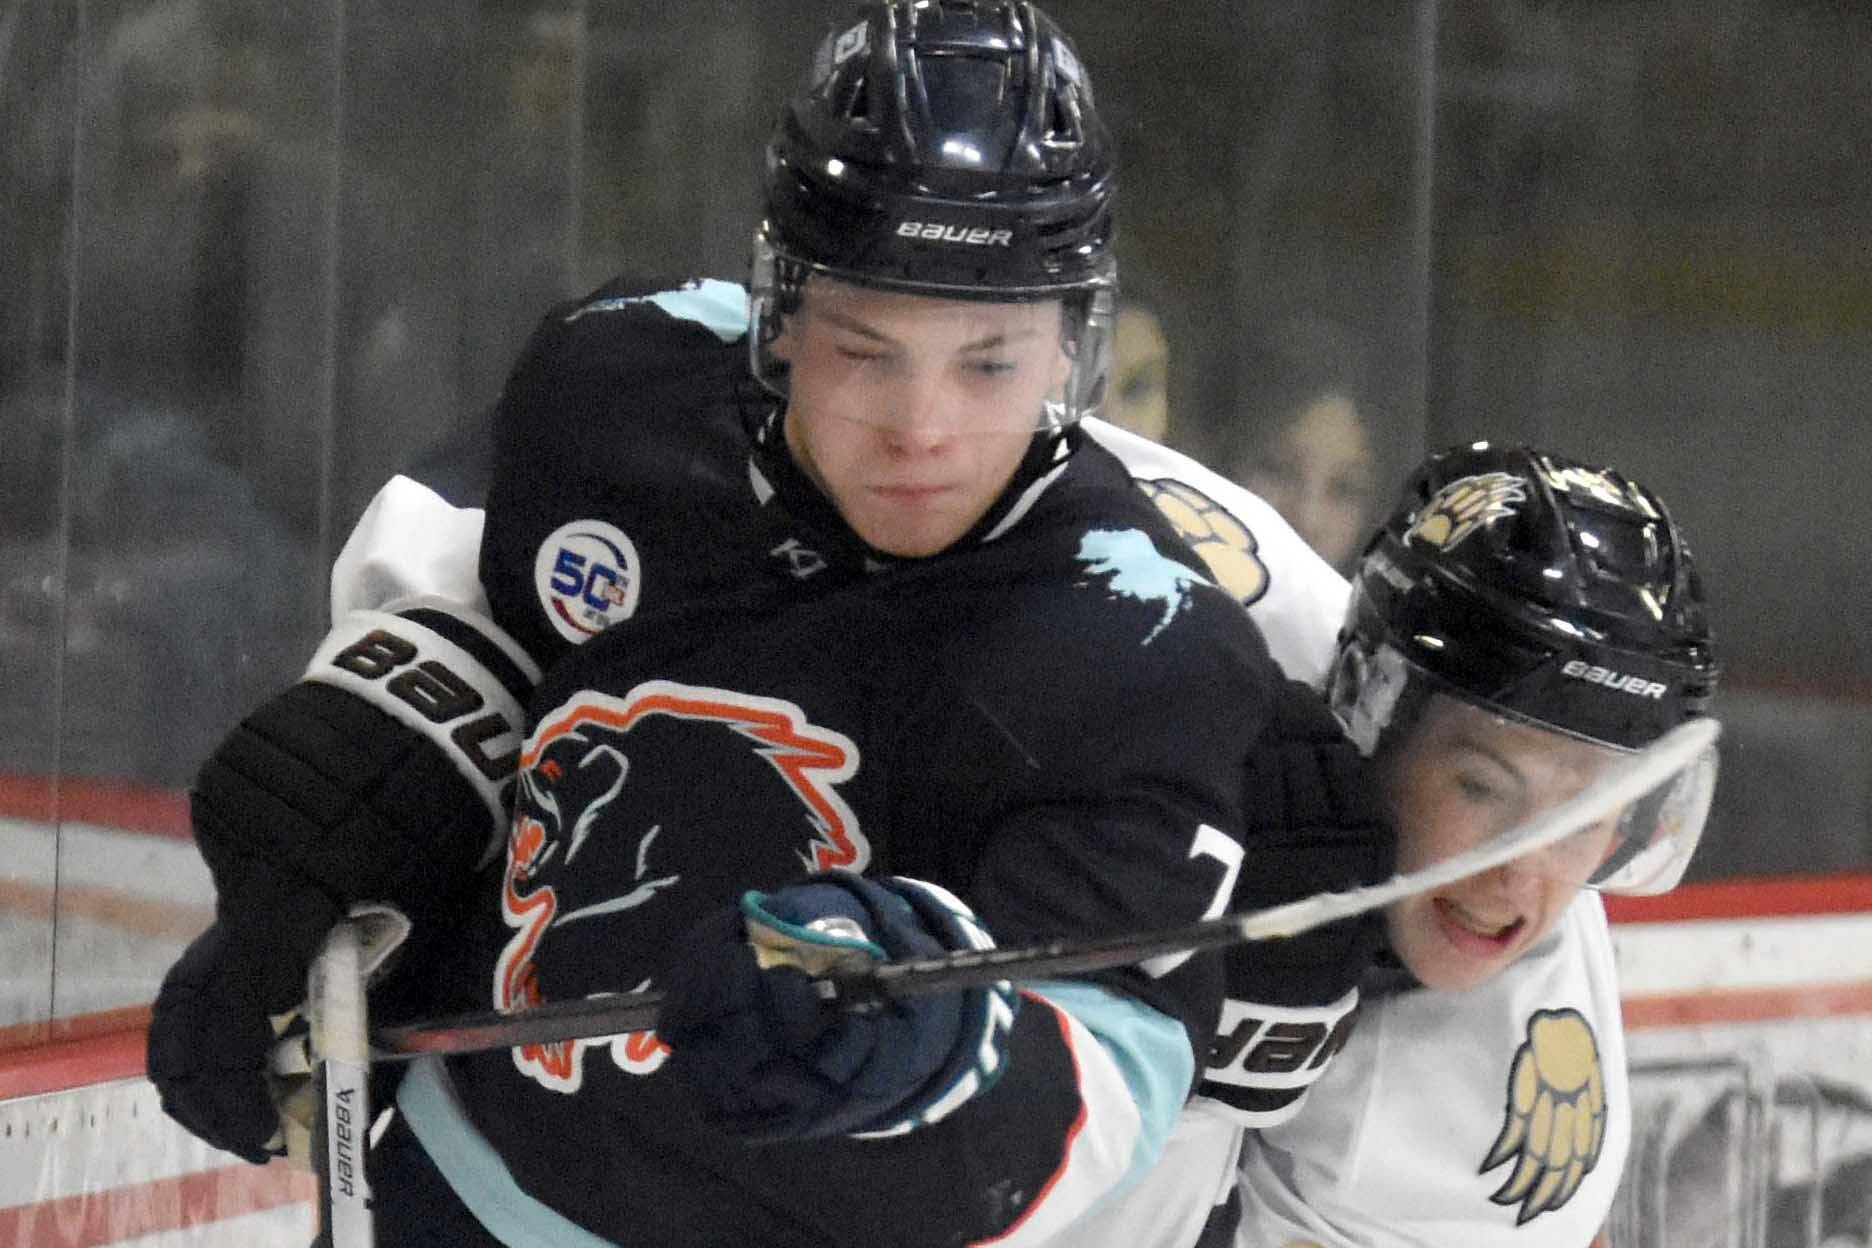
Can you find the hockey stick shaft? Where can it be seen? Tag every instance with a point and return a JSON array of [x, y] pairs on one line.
[[1622, 783], [341, 1057]]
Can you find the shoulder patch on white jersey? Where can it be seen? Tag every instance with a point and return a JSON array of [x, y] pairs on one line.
[[1556, 1115], [1226, 545]]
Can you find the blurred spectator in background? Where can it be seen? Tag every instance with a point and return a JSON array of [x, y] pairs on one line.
[[148, 581], [1301, 440], [158, 594], [1138, 394], [162, 295]]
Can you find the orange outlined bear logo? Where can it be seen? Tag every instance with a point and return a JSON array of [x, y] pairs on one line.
[[575, 786]]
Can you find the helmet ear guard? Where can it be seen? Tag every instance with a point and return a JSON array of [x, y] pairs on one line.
[[1364, 689]]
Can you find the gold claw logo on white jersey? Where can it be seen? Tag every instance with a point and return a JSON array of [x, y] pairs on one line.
[[1227, 547], [1556, 1115], [1465, 505]]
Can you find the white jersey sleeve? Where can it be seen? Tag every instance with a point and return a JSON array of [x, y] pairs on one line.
[[1496, 1116], [1295, 597], [410, 544]]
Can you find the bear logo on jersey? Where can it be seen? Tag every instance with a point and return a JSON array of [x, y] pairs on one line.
[[594, 842], [1227, 547], [1556, 1115], [1465, 505]]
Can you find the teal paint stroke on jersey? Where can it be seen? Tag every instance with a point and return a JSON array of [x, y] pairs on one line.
[[719, 307], [1139, 570]]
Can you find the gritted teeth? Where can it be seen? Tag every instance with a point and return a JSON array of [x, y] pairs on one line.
[[1497, 930]]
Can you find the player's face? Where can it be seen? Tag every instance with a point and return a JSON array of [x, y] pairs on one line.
[[1461, 776], [1318, 472], [911, 413], [1139, 398]]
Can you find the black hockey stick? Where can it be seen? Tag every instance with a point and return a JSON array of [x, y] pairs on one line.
[[587, 1018]]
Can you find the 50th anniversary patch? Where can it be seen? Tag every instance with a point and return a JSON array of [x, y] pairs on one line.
[[588, 578]]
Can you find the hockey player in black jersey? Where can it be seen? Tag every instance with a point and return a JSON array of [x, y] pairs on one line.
[[812, 619]]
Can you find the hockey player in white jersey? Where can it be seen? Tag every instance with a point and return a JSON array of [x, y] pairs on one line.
[[1518, 622]]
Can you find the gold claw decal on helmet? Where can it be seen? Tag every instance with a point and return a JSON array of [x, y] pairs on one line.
[[1465, 505], [1212, 531], [1556, 1115]]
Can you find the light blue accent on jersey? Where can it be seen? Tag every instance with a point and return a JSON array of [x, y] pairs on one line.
[[1152, 1052], [476, 1172], [1139, 570], [719, 307]]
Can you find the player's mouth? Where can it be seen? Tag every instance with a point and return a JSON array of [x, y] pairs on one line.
[[1479, 934], [910, 495]]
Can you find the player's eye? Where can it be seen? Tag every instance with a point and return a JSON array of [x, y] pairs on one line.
[[860, 355], [1137, 388], [990, 367], [1476, 789]]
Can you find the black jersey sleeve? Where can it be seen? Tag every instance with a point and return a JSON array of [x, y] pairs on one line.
[[615, 447], [1137, 761], [1123, 805]]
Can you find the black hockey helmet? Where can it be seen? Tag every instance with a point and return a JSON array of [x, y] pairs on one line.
[[1542, 589], [947, 148]]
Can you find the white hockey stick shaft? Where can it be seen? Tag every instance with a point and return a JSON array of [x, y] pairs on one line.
[[341, 1056], [1620, 784]]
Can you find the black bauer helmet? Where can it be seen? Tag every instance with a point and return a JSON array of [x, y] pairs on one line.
[[947, 148], [1544, 590]]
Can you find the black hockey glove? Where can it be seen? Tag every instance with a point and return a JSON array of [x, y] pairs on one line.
[[212, 1030], [1313, 822], [769, 1059], [377, 779]]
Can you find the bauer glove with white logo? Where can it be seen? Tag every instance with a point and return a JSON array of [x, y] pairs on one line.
[[770, 1058], [377, 779]]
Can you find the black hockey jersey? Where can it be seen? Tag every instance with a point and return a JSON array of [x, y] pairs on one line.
[[1054, 719]]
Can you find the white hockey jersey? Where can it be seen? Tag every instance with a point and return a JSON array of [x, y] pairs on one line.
[[1295, 597], [1495, 1118]]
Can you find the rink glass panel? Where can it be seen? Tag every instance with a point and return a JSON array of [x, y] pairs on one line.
[[255, 259]]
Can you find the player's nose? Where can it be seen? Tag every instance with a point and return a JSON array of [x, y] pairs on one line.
[[924, 416], [1519, 883]]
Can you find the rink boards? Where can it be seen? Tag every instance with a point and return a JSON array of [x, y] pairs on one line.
[[1749, 1008]]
